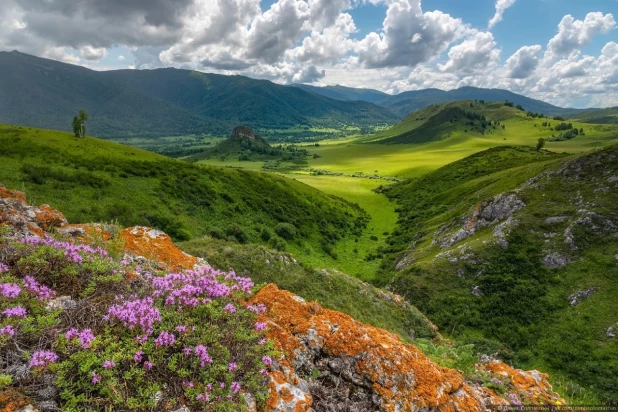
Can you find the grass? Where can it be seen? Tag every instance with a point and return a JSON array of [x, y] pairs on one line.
[[95, 180]]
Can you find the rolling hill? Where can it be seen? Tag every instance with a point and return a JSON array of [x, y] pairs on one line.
[[473, 120], [94, 180], [515, 251], [164, 102], [599, 116]]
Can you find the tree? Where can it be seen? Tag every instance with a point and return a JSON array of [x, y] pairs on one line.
[[540, 144], [79, 126]]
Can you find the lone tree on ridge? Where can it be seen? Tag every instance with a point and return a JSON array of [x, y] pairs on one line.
[[79, 126]]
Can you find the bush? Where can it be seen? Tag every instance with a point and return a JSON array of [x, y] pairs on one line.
[[217, 233], [128, 345], [286, 231], [238, 233], [266, 234]]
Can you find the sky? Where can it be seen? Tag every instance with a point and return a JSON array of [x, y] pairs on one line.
[[564, 52]]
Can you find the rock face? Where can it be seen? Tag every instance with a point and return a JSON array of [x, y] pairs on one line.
[[243, 131], [488, 213]]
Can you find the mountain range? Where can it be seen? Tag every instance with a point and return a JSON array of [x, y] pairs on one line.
[[172, 102]]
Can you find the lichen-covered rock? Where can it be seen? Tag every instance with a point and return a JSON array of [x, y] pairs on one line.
[[359, 357], [157, 246], [26, 220]]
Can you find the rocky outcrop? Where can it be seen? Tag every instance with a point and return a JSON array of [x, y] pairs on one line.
[[555, 261], [24, 220], [488, 213]]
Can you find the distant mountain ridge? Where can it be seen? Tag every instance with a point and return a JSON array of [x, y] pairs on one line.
[[164, 102], [405, 103]]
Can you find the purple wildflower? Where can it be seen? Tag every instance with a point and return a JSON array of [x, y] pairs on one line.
[[108, 364], [204, 397], [41, 292], [7, 330], [230, 308], [259, 326], [42, 358], [138, 356], [3, 268], [263, 341], [148, 365], [71, 334], [264, 372], [96, 378], [85, 338], [232, 367], [267, 360], [165, 339], [16, 312], [235, 387], [259, 308], [9, 290], [135, 313], [187, 351], [202, 353], [181, 328]]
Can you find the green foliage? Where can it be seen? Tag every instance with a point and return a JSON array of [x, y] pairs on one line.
[[286, 231], [540, 144], [93, 180], [79, 126]]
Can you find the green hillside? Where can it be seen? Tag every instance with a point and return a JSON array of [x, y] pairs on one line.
[[345, 93], [92, 180], [516, 251], [480, 119], [166, 102], [404, 103], [600, 116]]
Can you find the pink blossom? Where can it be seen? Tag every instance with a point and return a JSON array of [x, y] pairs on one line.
[[232, 367], [204, 397], [259, 308], [42, 358], [230, 308], [267, 360], [148, 365], [71, 334], [165, 339], [9, 290], [7, 330], [15, 312], [85, 338], [181, 328], [135, 313], [235, 387], [95, 378], [108, 364], [40, 292], [259, 326], [263, 341], [3, 268], [138, 356], [264, 372], [202, 353]]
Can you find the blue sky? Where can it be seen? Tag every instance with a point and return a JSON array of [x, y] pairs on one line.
[[561, 51]]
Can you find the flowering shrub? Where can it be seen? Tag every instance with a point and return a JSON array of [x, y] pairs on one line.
[[144, 342]]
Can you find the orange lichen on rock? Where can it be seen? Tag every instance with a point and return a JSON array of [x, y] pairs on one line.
[[532, 386], [399, 374], [156, 245], [12, 194], [12, 400]]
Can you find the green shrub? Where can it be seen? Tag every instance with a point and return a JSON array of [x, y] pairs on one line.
[[286, 231]]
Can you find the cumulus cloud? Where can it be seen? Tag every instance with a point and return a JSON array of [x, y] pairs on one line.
[[475, 53], [309, 75], [573, 34], [501, 7], [524, 62], [409, 37], [92, 53]]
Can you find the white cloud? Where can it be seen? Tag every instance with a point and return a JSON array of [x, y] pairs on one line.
[[121, 58], [478, 52], [501, 7], [92, 53], [309, 75], [573, 34], [524, 62], [409, 36]]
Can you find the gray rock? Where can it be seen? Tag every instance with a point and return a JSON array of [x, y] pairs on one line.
[[613, 179], [616, 257], [556, 219], [476, 291], [27, 408], [48, 406], [555, 261], [611, 331], [247, 396], [577, 297], [61, 302]]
